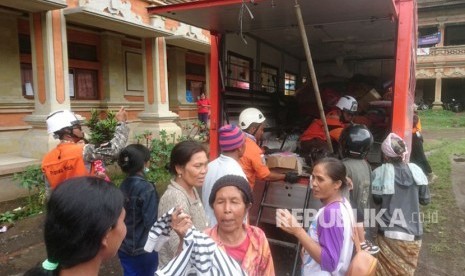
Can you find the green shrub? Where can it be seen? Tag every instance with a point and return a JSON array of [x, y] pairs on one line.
[[160, 152], [8, 217], [101, 130], [196, 130], [32, 179]]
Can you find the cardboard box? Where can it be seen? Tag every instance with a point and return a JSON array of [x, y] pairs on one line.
[[364, 102], [284, 162]]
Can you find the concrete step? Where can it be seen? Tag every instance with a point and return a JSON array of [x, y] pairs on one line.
[[9, 165]]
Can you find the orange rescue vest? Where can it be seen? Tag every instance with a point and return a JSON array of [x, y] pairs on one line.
[[64, 162], [316, 128]]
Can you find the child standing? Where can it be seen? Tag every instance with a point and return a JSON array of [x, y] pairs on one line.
[[141, 204]]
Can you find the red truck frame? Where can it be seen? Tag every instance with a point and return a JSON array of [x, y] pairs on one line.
[[214, 15]]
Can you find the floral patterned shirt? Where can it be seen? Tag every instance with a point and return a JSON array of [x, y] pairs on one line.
[[257, 260]]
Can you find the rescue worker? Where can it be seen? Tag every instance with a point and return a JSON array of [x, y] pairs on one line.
[[72, 157], [355, 142], [314, 137], [252, 122], [417, 156]]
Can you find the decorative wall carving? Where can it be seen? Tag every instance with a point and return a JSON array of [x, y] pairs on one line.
[[121, 8], [446, 51], [425, 74], [191, 32], [448, 72], [158, 21], [456, 72]]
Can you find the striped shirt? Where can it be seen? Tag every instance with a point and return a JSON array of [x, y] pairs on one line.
[[200, 254]]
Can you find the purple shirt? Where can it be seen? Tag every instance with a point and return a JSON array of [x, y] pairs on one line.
[[330, 231]]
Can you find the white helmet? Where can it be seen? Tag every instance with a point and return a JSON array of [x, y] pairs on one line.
[[347, 103], [250, 115], [60, 119]]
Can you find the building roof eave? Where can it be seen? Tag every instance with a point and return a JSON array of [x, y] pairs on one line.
[[92, 18]]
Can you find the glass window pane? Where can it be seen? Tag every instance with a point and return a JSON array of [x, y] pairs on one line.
[[289, 84], [85, 84], [269, 78], [239, 72]]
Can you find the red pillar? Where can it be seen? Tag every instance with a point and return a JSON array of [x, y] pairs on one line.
[[404, 82], [214, 95]]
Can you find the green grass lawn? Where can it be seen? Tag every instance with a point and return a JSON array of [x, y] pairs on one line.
[[444, 236], [441, 119]]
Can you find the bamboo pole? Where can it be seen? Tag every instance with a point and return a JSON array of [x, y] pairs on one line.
[[311, 69]]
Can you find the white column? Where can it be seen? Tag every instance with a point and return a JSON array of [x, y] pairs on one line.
[[50, 77], [156, 115], [441, 29], [437, 104]]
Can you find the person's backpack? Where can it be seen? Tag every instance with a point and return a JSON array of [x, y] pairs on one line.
[[362, 263]]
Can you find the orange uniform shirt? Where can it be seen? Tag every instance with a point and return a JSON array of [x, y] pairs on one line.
[[252, 162], [316, 128], [64, 162], [335, 127], [417, 127]]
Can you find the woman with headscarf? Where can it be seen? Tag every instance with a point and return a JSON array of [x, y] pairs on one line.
[[399, 187], [231, 198], [246, 245]]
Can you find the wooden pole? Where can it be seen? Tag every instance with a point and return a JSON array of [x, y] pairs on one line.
[[311, 69]]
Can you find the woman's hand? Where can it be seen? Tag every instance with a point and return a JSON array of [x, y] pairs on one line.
[[181, 222], [287, 222]]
